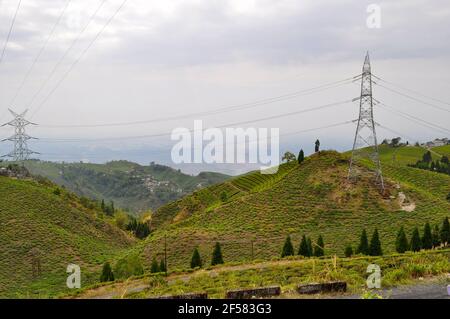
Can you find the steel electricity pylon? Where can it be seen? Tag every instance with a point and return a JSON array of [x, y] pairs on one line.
[[21, 151], [365, 145]]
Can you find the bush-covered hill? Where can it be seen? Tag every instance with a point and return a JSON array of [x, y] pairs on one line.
[[131, 186], [258, 211], [40, 225]]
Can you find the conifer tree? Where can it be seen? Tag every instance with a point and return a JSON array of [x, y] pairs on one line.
[[375, 244], [416, 243], [310, 247], [348, 251], [162, 266], [196, 260], [319, 247], [107, 273], [436, 237], [445, 232], [401, 244], [288, 249], [217, 255], [363, 247], [154, 268], [304, 249], [427, 239], [301, 156]]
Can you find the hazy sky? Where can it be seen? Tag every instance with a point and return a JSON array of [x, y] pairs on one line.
[[159, 59]]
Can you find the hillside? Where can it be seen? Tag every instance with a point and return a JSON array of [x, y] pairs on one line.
[[442, 150], [131, 186], [404, 155], [312, 198], [38, 225]]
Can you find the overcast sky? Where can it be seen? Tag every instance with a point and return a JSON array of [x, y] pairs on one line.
[[159, 59]]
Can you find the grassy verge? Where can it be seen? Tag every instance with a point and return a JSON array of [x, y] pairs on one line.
[[288, 273]]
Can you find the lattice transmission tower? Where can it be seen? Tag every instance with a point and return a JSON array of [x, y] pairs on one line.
[[20, 139], [365, 145]]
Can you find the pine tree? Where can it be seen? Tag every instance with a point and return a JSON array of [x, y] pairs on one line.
[[303, 250], [363, 247], [375, 245], [445, 232], [317, 146], [196, 260], [427, 158], [301, 156], [427, 239], [288, 249], [348, 251], [310, 246], [103, 205], [401, 244], [217, 255], [107, 273], [436, 237], [319, 247], [154, 268], [416, 244], [162, 266]]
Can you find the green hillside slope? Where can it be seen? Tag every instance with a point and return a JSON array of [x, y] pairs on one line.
[[442, 150], [404, 155], [38, 225], [131, 186], [312, 198]]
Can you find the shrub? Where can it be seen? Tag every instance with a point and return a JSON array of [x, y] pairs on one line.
[[128, 266], [348, 252], [154, 268], [107, 273]]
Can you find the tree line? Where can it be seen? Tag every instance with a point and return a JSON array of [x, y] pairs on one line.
[[306, 248], [431, 238], [216, 259], [427, 163]]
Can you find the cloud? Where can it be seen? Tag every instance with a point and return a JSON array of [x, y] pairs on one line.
[[163, 58]]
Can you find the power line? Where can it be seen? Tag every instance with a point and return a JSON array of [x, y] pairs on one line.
[[27, 75], [10, 31], [79, 58], [252, 141], [414, 119], [412, 91], [414, 99], [217, 111], [74, 42], [221, 126]]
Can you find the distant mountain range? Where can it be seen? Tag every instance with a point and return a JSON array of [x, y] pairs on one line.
[[132, 187]]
